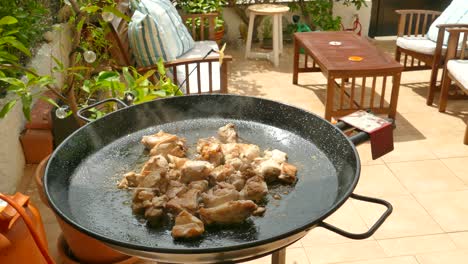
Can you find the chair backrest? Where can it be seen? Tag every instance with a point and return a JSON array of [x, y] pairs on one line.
[[457, 44]]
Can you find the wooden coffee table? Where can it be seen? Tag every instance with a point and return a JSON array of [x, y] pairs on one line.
[[354, 84]]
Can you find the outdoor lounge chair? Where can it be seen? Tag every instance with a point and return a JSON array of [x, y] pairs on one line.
[[422, 39], [456, 67], [194, 71]]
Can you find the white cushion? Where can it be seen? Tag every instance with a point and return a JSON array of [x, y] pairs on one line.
[[157, 31], [418, 44], [455, 13], [200, 50], [459, 70]]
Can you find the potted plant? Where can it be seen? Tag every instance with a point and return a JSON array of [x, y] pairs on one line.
[[205, 7]]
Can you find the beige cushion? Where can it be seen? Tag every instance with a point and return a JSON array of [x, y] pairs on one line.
[[417, 44], [459, 70], [199, 51]]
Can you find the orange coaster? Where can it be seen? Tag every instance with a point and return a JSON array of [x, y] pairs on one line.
[[355, 58]]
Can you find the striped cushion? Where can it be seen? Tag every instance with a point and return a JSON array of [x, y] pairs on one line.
[[157, 31]]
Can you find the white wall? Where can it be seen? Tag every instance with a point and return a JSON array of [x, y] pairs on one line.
[[11, 153]]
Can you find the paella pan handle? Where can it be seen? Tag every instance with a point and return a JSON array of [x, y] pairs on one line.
[[358, 138], [372, 229], [85, 109]]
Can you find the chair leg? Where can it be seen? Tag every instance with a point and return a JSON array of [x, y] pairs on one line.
[[466, 135], [444, 91], [432, 84], [398, 54], [275, 40], [248, 45]]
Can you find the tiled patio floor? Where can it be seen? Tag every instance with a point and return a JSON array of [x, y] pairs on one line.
[[425, 177]]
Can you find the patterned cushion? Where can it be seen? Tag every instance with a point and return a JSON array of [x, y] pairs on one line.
[[157, 31], [458, 69], [455, 13]]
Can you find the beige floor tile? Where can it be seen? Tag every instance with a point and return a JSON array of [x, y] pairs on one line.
[[293, 256], [426, 176], [378, 180], [417, 245], [360, 250], [394, 260], [459, 167], [432, 123], [346, 217], [453, 257], [365, 155], [460, 239], [449, 209], [409, 151], [408, 218], [448, 145]]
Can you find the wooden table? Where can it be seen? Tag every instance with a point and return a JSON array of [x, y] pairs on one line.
[[346, 79]]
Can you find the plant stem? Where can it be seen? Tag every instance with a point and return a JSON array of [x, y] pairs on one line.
[[50, 88]]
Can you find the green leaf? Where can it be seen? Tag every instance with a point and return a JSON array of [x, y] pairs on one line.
[[27, 101], [116, 12], [90, 9], [80, 24], [128, 77], [145, 76], [6, 108], [107, 75], [49, 100], [161, 68], [16, 44], [59, 63], [8, 20], [13, 81]]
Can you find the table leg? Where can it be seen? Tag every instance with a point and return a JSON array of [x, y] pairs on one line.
[[330, 97], [279, 257], [275, 40], [280, 28], [394, 96], [248, 45], [296, 62]]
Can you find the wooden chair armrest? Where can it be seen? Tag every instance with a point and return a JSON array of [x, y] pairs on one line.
[[417, 11], [445, 26], [179, 62], [462, 29], [187, 16]]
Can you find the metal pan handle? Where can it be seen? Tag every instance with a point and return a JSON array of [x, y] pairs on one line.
[[358, 138], [84, 109], [372, 229]]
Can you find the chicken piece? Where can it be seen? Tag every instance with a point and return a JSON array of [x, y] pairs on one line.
[[176, 162], [195, 170], [173, 174], [221, 173], [228, 133], [276, 155], [228, 213], [210, 150], [259, 212], [155, 163], [187, 226], [154, 212], [186, 201], [288, 173], [141, 200], [240, 150], [199, 185], [268, 169], [163, 143], [175, 189], [130, 179], [220, 194], [237, 180], [255, 189]]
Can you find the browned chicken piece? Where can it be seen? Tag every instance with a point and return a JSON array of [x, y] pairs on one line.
[[237, 180], [141, 200], [163, 143], [228, 133], [186, 201], [255, 189], [276, 155], [288, 173], [175, 189], [154, 212], [155, 163], [176, 162], [173, 174], [130, 179], [210, 150], [195, 170], [221, 173], [221, 193], [260, 211], [240, 150], [199, 185], [268, 169], [187, 226], [228, 213]]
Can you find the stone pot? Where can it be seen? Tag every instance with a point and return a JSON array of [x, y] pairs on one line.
[[84, 248]]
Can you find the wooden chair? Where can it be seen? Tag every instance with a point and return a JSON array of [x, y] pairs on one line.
[[122, 55], [412, 27], [456, 67]]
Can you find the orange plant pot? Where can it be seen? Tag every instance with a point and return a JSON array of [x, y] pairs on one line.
[[85, 248]]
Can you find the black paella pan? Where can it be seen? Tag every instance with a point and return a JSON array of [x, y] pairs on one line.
[[81, 176]]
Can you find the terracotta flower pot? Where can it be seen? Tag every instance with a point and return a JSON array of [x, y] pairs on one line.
[[85, 248], [219, 34]]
